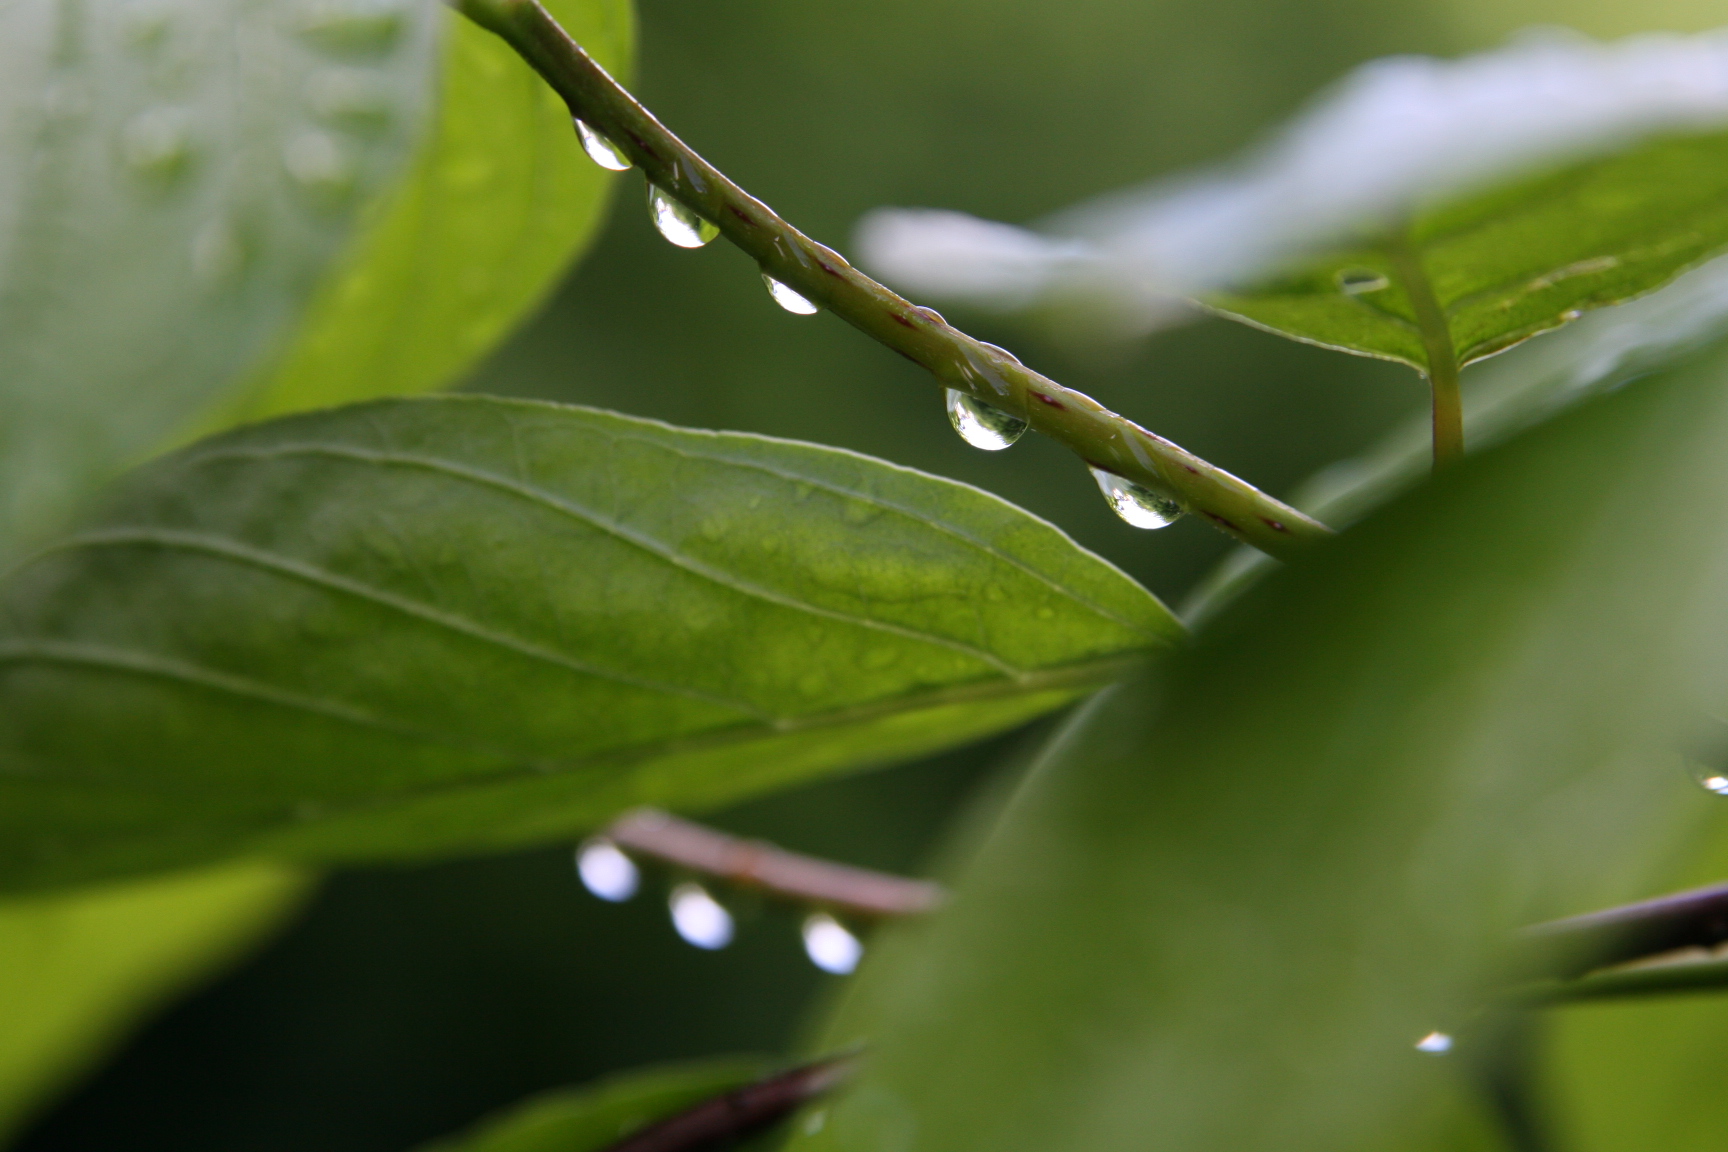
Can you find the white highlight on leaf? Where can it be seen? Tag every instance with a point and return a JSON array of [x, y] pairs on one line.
[[1395, 134], [606, 871], [829, 945], [1434, 1043], [699, 918]]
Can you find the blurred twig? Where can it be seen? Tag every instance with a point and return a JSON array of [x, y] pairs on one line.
[[1668, 944], [738, 1112], [758, 864], [1100, 437]]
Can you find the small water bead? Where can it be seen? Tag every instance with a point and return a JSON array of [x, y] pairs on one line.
[[788, 299], [699, 918], [1715, 783], [1136, 503], [1356, 281], [829, 945], [1434, 1043], [677, 223], [982, 425], [600, 150], [606, 871]]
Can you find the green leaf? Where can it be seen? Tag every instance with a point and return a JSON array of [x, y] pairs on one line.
[[1221, 912], [500, 200], [173, 181], [450, 624], [1504, 265], [597, 1115], [79, 969]]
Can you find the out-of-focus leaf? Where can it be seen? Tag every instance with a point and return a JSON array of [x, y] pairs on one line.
[[78, 969], [1221, 912], [432, 626], [1626, 1075], [499, 201], [1504, 265], [174, 179], [597, 1115]]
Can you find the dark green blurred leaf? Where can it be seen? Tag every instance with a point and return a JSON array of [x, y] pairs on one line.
[[1515, 261], [595, 1116], [499, 201], [1222, 911], [176, 179], [434, 626], [78, 969]]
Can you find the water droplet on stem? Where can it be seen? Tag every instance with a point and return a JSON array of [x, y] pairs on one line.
[[1434, 1043], [829, 945], [982, 425], [606, 871], [699, 918], [788, 299], [1136, 503], [677, 223], [600, 150]]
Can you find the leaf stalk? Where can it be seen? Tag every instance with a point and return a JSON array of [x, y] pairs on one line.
[[1098, 436]]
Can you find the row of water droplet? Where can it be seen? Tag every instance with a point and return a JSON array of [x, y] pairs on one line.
[[980, 424], [702, 921]]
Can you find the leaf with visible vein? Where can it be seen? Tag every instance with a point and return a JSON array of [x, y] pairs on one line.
[[412, 628]]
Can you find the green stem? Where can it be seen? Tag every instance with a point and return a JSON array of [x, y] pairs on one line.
[[1100, 437], [1437, 344]]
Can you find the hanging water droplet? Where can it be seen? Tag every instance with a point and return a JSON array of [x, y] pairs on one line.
[[1136, 503], [1716, 783], [606, 871], [788, 299], [699, 918], [829, 945], [677, 223], [1434, 1043], [600, 150], [982, 425], [1356, 281]]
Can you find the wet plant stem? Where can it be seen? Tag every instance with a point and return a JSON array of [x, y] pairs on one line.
[[1442, 358], [1100, 437]]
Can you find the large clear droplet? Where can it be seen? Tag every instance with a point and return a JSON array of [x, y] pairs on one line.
[[1434, 1043], [606, 871], [829, 945], [982, 425], [600, 150], [788, 299], [677, 223], [1136, 503], [700, 918]]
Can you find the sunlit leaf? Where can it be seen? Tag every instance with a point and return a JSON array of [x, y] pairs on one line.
[[1223, 910], [174, 179], [78, 969], [432, 626]]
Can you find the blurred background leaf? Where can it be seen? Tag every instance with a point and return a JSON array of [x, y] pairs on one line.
[[1221, 914], [79, 969], [436, 626], [175, 180], [496, 207]]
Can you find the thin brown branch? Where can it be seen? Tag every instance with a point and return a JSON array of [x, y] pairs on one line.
[[758, 864], [740, 1111]]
